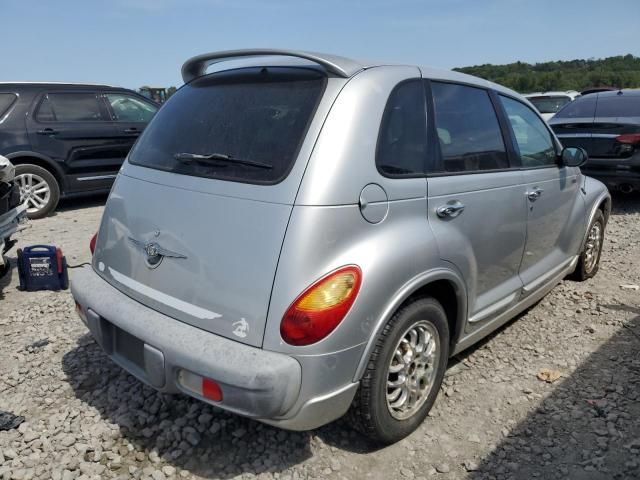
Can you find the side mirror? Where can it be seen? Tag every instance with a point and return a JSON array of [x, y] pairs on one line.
[[574, 156]]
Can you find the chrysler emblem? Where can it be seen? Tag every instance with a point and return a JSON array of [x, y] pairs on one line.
[[154, 252]]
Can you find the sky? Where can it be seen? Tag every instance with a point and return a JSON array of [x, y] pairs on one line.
[[132, 43]]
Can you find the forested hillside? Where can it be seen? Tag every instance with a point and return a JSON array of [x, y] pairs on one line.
[[621, 72]]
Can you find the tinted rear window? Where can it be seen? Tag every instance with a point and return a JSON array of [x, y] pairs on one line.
[[6, 100], [549, 104], [254, 114], [579, 108], [618, 106]]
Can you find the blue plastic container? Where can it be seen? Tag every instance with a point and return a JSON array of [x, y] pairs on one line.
[[42, 267]]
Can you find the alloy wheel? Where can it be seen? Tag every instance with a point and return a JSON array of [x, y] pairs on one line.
[[592, 247], [412, 369], [34, 191]]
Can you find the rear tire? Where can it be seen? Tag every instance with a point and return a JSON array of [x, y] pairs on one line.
[[589, 261], [39, 188], [404, 373]]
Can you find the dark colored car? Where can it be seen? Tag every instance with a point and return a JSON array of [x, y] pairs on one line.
[[67, 139], [607, 126]]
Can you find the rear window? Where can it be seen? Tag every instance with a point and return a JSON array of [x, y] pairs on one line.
[[6, 100], [549, 104], [249, 123], [618, 106], [579, 108]]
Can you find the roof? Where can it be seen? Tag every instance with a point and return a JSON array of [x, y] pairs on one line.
[[629, 92], [58, 84], [552, 93]]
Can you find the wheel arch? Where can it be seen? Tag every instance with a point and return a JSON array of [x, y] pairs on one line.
[[444, 285], [26, 157], [603, 204]]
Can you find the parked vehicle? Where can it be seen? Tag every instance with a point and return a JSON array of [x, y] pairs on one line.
[[548, 103], [296, 239], [67, 139], [11, 212], [607, 126]]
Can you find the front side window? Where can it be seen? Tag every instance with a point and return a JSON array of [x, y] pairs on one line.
[[402, 143], [243, 125], [467, 128], [534, 142], [130, 109], [70, 107]]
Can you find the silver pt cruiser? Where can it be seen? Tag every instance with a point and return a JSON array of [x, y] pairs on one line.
[[296, 235]]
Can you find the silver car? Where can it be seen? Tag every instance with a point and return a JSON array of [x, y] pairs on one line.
[[294, 238]]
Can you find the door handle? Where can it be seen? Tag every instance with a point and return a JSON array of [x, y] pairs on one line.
[[450, 210], [47, 131], [131, 130], [534, 194]]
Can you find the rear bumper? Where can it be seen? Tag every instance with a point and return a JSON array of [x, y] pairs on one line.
[[155, 348]]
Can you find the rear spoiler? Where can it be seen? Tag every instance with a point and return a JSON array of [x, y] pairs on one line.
[[339, 66]]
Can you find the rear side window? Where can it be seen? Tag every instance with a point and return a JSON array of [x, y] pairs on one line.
[[249, 123], [6, 101], [402, 144], [468, 130], [533, 139], [579, 108], [618, 106], [70, 107]]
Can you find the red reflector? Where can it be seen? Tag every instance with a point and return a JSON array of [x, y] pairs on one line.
[[59, 259], [92, 243], [211, 390], [629, 138]]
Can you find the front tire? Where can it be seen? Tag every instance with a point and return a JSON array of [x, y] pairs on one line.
[[404, 373], [38, 188], [589, 261]]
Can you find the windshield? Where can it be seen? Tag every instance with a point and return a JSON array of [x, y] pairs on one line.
[[242, 118], [549, 104]]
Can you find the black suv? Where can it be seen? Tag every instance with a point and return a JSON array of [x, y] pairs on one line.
[[66, 139], [607, 125]]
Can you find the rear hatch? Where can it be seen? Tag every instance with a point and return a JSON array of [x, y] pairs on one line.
[[605, 125], [616, 131], [196, 219]]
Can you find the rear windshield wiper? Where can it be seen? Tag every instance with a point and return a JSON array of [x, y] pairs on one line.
[[217, 158]]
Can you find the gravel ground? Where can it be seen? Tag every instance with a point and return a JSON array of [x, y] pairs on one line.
[[494, 419]]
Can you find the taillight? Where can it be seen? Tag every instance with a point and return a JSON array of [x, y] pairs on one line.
[[92, 243], [629, 139], [321, 307]]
